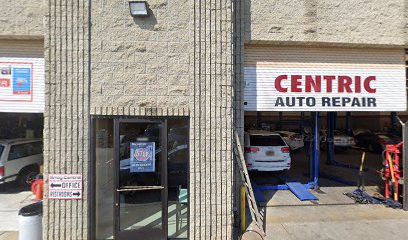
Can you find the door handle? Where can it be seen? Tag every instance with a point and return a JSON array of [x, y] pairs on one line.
[[128, 189]]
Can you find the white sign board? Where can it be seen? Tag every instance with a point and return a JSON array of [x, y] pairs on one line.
[[65, 186], [313, 89], [312, 79], [22, 85]]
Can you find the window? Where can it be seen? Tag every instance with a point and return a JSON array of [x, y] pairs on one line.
[[272, 140], [1, 149], [25, 150]]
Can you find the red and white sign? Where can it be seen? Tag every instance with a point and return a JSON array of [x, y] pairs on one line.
[[279, 80], [65, 186], [312, 89], [22, 85]]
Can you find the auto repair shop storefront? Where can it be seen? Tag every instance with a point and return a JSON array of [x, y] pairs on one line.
[[129, 89], [313, 81]]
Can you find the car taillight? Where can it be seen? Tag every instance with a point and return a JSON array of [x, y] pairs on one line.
[[285, 149], [251, 149], [2, 171]]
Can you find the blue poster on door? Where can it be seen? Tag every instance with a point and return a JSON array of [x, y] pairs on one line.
[[142, 157]]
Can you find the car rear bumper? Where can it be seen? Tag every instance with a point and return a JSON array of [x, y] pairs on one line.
[[344, 145], [269, 166], [269, 169]]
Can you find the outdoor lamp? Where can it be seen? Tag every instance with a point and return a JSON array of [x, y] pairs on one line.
[[138, 8]]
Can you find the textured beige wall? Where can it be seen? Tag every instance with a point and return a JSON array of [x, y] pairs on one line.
[[178, 61], [22, 19], [66, 116], [329, 21], [141, 63]]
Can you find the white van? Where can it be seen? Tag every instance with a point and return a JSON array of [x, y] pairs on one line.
[[20, 160], [266, 151]]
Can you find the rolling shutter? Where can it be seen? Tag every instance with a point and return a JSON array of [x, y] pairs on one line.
[[22, 76]]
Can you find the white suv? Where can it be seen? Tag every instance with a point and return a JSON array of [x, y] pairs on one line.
[[266, 151], [20, 160]]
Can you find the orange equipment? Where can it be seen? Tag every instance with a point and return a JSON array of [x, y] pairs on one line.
[[37, 187], [391, 173]]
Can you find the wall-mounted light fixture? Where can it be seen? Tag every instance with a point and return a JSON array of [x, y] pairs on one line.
[[138, 8]]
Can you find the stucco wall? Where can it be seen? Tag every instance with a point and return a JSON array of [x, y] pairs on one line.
[[178, 61], [66, 116], [144, 62], [22, 19], [330, 21]]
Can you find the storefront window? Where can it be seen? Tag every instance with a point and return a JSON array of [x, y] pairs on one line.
[[153, 202], [177, 168], [104, 179]]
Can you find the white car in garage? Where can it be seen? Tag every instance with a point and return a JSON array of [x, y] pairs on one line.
[[20, 160], [340, 140], [294, 140], [266, 151]]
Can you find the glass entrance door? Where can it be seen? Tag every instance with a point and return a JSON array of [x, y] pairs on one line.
[[141, 179]]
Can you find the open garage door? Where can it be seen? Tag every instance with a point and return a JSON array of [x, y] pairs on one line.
[[320, 93], [21, 111]]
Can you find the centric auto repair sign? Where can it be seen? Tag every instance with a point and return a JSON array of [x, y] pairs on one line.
[[349, 88]]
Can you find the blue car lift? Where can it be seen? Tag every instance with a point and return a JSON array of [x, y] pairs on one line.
[[297, 188]]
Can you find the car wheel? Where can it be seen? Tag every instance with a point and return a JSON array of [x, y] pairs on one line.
[[26, 176]]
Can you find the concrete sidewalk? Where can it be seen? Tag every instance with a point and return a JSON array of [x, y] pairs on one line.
[[9, 235], [11, 202], [334, 217], [12, 199], [340, 222]]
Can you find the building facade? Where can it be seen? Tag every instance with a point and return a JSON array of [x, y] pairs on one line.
[[110, 75]]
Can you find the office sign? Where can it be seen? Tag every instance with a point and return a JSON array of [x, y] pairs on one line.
[[142, 157], [65, 186]]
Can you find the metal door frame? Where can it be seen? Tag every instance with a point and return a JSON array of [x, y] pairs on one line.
[[164, 192]]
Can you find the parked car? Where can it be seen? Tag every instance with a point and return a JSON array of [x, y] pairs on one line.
[[376, 141], [294, 140], [340, 139], [266, 151], [20, 160]]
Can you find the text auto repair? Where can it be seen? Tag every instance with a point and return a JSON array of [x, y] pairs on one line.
[[327, 84]]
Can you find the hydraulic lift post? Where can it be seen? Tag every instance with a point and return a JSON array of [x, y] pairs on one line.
[[348, 123], [330, 138], [302, 119], [314, 154]]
